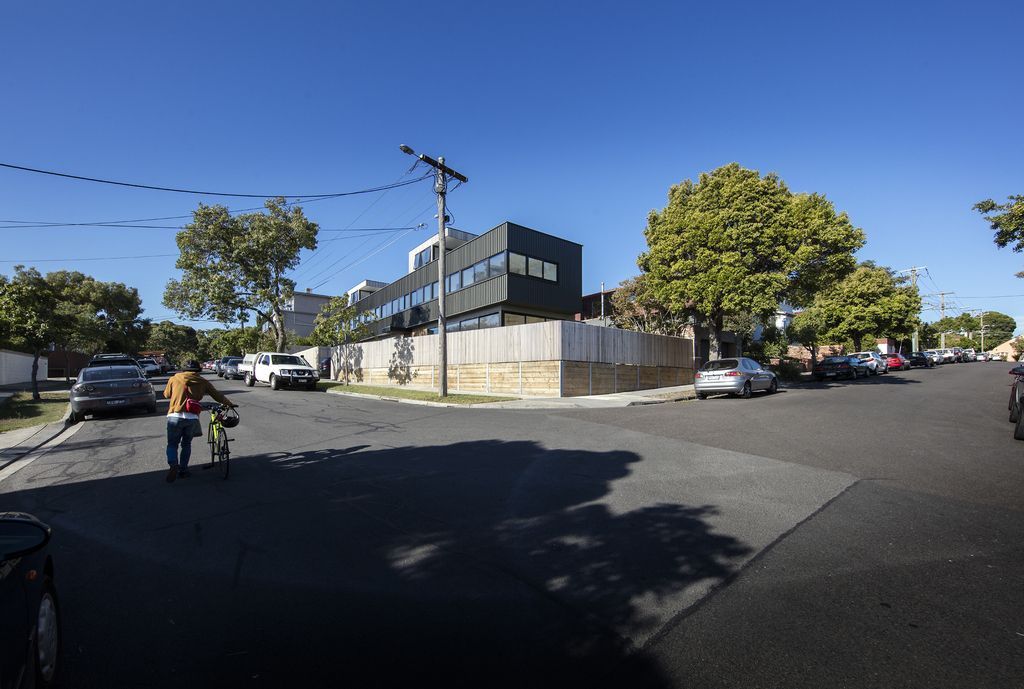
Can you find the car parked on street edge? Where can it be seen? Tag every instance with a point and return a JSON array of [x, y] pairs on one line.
[[229, 370], [736, 376], [278, 369], [934, 355], [30, 636], [921, 359], [840, 367], [876, 363], [149, 367], [107, 388], [897, 361]]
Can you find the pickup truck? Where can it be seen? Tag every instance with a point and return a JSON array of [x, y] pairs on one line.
[[278, 370]]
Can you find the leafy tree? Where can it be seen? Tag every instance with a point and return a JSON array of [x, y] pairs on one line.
[[870, 301], [964, 330], [177, 342], [998, 327], [28, 310], [735, 242], [1018, 347], [340, 324], [235, 264], [809, 329], [118, 308], [1006, 220], [635, 307]]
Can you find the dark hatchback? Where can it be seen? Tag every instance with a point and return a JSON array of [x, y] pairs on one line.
[[920, 359], [841, 367], [29, 612]]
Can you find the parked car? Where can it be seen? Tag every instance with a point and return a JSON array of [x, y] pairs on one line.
[[278, 369], [218, 364], [208, 365], [983, 356], [970, 354], [897, 361], [921, 359], [876, 363], [105, 388], [958, 354], [149, 367], [934, 355], [30, 636], [947, 356], [246, 365], [737, 376], [840, 367], [325, 367], [230, 368]]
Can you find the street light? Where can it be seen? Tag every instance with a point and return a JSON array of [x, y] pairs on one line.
[[441, 187]]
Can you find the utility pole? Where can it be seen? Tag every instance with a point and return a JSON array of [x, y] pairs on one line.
[[942, 314], [913, 281], [441, 188], [602, 303]]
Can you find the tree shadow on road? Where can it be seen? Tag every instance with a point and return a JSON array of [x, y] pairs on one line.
[[482, 563]]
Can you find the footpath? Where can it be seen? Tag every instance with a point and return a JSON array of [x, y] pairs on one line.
[[21, 441], [618, 399]]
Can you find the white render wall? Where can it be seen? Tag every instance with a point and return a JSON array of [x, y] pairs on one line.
[[16, 367]]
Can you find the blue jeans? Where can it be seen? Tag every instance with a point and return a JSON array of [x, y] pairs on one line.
[[180, 432]]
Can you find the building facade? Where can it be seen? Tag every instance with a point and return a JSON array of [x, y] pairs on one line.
[[510, 275], [301, 310]]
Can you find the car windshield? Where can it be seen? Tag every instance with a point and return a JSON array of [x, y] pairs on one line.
[[864, 355], [834, 360], [233, 360], [720, 365], [286, 359], [99, 373]]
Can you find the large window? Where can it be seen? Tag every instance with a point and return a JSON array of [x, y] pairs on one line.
[[490, 321], [496, 264], [535, 267], [516, 263], [467, 277], [480, 271], [550, 271], [514, 319]]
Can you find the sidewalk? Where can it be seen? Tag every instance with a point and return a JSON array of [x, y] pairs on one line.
[[19, 442], [619, 399]]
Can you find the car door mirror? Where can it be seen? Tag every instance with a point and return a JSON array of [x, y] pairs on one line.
[[21, 534]]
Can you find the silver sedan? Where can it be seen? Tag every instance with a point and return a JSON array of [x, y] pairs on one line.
[[737, 376], [108, 388]]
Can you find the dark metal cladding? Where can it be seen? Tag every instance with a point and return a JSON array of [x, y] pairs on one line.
[[521, 292]]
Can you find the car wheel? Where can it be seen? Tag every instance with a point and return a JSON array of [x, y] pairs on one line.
[[275, 382], [746, 392], [76, 417], [702, 395], [47, 637], [1014, 413], [774, 387], [311, 386], [820, 379], [249, 380], [151, 409], [1018, 429]]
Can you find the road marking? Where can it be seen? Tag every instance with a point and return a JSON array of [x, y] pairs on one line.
[[40, 451]]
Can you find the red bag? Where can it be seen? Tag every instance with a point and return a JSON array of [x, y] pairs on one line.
[[192, 406]]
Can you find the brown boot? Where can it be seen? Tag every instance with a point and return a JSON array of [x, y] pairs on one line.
[[172, 473]]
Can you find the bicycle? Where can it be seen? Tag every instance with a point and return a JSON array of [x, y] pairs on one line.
[[221, 418]]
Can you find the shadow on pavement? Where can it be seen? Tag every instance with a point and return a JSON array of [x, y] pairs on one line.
[[474, 564]]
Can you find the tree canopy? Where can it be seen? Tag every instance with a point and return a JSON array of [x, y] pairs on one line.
[[869, 301], [235, 264], [1006, 220], [964, 330], [737, 242], [635, 307], [338, 322]]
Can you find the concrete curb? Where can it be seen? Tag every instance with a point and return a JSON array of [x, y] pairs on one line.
[[492, 405], [49, 432], [385, 398]]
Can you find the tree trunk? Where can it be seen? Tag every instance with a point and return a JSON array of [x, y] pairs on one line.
[[67, 365], [35, 371], [857, 339], [715, 331]]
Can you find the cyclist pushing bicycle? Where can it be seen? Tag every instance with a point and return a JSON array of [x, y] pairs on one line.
[[184, 390]]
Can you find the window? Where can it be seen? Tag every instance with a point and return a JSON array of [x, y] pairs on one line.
[[535, 319], [535, 267], [415, 297], [423, 258], [469, 324], [496, 265], [480, 271], [467, 277], [551, 271], [455, 282], [514, 319], [491, 320], [451, 327], [516, 263]]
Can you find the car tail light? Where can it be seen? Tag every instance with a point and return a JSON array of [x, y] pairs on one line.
[[734, 373], [696, 375], [844, 366]]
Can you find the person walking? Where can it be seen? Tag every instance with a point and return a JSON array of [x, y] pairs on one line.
[[183, 418]]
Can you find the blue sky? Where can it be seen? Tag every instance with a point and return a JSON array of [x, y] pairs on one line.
[[571, 118]]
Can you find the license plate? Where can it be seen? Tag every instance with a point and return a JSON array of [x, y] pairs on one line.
[[114, 402], [712, 377], [830, 373]]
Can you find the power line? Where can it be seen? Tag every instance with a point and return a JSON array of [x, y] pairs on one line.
[[136, 185], [92, 258], [178, 227]]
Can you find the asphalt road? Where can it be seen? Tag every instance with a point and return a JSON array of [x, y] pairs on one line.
[[849, 534]]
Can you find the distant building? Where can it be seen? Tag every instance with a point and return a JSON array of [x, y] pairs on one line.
[[301, 310]]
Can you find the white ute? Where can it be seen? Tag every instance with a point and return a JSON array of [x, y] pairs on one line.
[[278, 369]]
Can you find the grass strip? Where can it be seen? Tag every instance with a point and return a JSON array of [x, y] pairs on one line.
[[410, 394], [22, 411]]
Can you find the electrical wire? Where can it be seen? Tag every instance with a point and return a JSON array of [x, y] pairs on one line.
[[209, 193], [91, 258]]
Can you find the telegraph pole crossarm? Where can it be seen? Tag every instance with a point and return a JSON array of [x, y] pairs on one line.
[[441, 188]]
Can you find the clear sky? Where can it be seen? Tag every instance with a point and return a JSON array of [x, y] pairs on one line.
[[572, 118]]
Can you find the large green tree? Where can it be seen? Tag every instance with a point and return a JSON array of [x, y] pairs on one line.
[[634, 306], [737, 242], [177, 342], [28, 313], [964, 330], [1006, 221], [232, 265], [869, 301]]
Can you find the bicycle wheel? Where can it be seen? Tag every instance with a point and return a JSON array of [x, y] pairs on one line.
[[211, 438], [224, 453]]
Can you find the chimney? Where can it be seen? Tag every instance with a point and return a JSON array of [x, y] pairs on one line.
[[309, 290]]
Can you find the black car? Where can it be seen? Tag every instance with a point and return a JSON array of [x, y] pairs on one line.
[[920, 359], [114, 360], [325, 368], [841, 367], [30, 633]]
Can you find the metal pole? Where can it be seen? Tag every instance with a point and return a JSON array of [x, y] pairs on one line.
[[440, 186], [913, 280], [602, 303], [982, 331]]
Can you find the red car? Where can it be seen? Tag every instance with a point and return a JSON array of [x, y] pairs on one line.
[[898, 362]]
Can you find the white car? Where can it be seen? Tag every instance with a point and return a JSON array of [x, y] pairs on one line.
[[278, 370], [934, 355], [875, 362], [149, 367]]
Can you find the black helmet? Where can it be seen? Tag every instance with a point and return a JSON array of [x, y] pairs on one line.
[[192, 365], [229, 419]]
